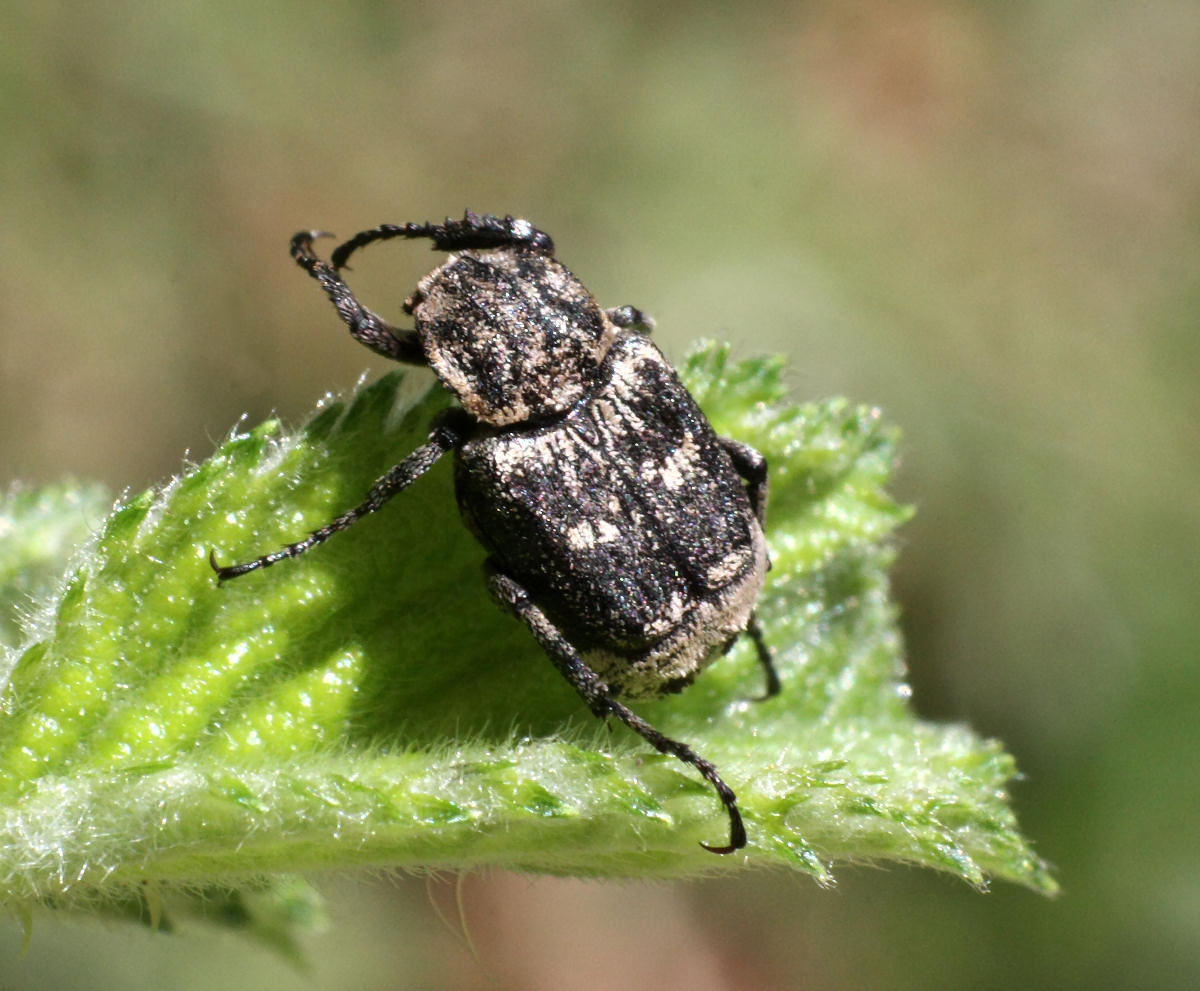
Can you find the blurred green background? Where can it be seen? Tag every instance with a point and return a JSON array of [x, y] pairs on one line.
[[982, 217]]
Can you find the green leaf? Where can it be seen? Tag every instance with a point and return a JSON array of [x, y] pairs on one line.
[[38, 530], [367, 704]]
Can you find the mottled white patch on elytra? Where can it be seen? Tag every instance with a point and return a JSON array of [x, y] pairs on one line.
[[512, 454], [680, 463], [722, 573], [606, 532], [675, 608], [581, 536]]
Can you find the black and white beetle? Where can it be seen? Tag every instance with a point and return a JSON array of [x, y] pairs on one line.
[[619, 527]]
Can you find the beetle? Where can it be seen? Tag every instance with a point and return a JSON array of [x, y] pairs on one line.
[[623, 532]]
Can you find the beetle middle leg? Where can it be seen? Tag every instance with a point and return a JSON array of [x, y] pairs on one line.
[[595, 693], [752, 467], [448, 431]]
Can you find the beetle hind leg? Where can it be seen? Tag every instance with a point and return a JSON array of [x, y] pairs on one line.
[[595, 693], [765, 658]]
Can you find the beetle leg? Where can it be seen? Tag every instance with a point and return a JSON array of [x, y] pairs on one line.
[[630, 317], [765, 658], [444, 437], [595, 693], [365, 327], [752, 466]]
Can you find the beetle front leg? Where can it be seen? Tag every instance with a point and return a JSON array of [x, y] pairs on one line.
[[595, 693], [365, 327], [474, 231]]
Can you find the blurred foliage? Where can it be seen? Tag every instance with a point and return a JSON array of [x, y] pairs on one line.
[[38, 531], [982, 217]]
